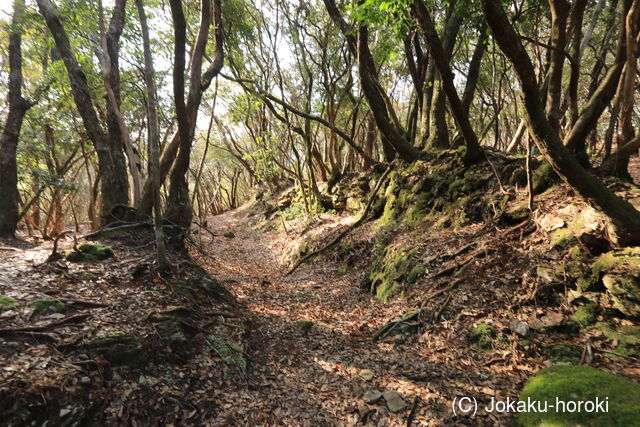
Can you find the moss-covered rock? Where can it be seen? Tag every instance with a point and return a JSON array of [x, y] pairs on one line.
[[7, 303], [580, 383], [627, 339], [575, 253], [517, 212], [585, 315], [393, 269], [90, 252], [483, 335], [625, 292], [46, 306], [617, 272], [562, 238], [120, 349]]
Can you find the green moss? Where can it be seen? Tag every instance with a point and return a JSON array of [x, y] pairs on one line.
[[624, 259], [585, 315], [7, 303], [580, 383], [343, 268], [88, 276], [575, 253], [417, 272], [562, 238], [90, 252], [564, 353], [483, 335], [389, 213], [232, 355], [543, 177], [391, 270], [304, 325], [46, 306], [627, 338], [418, 210], [588, 284]]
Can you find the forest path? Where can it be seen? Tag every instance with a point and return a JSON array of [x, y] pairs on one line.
[[317, 376]]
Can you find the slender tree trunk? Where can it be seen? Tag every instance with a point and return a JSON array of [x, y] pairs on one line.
[[112, 179], [179, 212], [438, 129], [440, 58], [386, 120], [18, 107], [618, 164], [559, 14], [154, 138]]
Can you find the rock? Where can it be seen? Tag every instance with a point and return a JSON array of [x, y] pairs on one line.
[[580, 383], [625, 293], [394, 401], [626, 340], [585, 315], [549, 320], [550, 222], [520, 328], [367, 374], [517, 212], [546, 274], [371, 396], [229, 234], [85, 381]]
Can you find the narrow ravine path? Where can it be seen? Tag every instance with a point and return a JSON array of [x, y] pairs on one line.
[[317, 376]]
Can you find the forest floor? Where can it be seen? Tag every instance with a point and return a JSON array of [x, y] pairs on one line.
[[318, 373], [301, 348], [317, 376]]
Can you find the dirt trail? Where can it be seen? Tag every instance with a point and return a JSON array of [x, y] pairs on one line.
[[316, 377]]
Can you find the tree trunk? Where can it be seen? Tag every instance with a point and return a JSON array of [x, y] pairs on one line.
[[441, 60], [113, 181], [559, 14], [619, 163], [18, 107], [179, 212], [625, 218], [154, 138], [383, 112], [438, 129]]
